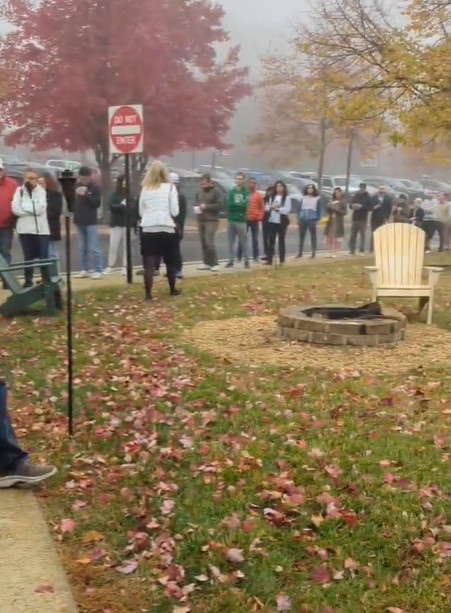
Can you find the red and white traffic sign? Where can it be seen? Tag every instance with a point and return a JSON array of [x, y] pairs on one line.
[[125, 128]]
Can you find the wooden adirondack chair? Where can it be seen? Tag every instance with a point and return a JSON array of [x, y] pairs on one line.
[[399, 251], [21, 299]]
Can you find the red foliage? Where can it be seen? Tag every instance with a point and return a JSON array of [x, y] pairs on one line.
[[72, 60]]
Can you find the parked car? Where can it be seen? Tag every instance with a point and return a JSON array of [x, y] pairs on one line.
[[399, 187], [303, 175], [433, 187], [64, 164]]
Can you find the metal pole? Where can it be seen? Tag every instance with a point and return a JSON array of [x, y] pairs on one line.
[[128, 236], [70, 362]]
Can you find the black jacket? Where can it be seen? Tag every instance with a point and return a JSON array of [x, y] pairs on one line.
[[85, 208], [381, 211], [364, 199], [183, 208], [54, 212]]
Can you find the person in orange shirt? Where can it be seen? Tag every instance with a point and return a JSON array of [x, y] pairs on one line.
[[254, 215]]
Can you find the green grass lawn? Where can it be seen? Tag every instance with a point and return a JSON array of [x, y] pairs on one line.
[[195, 484]]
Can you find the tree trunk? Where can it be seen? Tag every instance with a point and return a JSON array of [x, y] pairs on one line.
[[322, 151], [349, 163], [138, 168]]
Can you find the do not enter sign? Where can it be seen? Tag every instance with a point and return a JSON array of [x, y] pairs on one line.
[[125, 127]]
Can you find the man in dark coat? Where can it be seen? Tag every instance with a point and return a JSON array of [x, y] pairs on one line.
[[381, 211], [360, 206]]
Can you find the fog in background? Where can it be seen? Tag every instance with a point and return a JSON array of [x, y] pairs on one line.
[[259, 27]]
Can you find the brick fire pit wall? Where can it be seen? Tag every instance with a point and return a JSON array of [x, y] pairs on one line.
[[295, 325]]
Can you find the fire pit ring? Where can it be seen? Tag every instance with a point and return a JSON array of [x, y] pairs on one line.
[[336, 325]]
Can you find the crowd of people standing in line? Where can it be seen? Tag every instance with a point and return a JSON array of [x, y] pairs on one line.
[[34, 211]]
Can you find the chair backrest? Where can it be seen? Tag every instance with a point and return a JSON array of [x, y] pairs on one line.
[[9, 278], [399, 251]]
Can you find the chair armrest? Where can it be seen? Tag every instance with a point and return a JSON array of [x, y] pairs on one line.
[[29, 264], [434, 268], [434, 273]]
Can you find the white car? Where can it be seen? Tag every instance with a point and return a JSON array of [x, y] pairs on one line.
[[64, 164]]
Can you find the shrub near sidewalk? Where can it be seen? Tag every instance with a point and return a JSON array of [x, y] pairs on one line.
[[196, 484]]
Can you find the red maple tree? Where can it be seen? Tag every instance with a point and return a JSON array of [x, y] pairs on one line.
[[72, 60]]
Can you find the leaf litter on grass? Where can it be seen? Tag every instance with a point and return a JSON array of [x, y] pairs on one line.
[[209, 486]]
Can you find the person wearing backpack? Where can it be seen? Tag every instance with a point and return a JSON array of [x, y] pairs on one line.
[[30, 207]]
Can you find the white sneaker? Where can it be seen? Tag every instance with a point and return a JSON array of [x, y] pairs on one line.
[[124, 272], [108, 271], [203, 267], [81, 275], [96, 275], [214, 269]]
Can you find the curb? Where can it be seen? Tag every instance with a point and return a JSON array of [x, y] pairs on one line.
[[32, 578]]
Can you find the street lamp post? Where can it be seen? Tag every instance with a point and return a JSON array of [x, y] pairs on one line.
[[68, 181]]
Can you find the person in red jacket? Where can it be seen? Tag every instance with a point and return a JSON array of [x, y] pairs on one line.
[[254, 215], [7, 190]]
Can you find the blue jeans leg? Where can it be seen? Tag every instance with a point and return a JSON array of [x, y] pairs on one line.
[[82, 234], [231, 236], [94, 247], [54, 250], [10, 452]]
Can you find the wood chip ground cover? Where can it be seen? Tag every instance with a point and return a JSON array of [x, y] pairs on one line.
[[254, 341], [199, 483]]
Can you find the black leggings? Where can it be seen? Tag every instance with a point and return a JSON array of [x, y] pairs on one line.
[[276, 231], [304, 227], [159, 245]]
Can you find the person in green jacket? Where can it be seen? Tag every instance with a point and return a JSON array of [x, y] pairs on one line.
[[118, 224], [236, 206]]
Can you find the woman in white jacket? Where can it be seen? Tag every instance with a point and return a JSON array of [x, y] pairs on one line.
[[158, 205], [30, 207]]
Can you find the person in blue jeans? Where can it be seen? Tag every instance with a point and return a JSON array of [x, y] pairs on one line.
[[87, 201], [15, 468], [309, 214]]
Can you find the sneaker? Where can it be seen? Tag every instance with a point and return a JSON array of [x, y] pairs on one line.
[[214, 269], [27, 285], [83, 274], [247, 265], [362, 254], [124, 272], [175, 292], [108, 271], [350, 253], [203, 267], [96, 276], [26, 473], [229, 265]]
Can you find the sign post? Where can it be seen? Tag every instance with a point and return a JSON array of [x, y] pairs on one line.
[[125, 129]]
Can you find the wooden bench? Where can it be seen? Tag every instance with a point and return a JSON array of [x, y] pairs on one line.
[[398, 273], [21, 299]]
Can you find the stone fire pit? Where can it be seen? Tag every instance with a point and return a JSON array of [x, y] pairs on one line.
[[324, 325]]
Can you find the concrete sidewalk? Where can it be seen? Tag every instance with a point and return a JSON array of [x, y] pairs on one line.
[[32, 579]]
